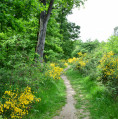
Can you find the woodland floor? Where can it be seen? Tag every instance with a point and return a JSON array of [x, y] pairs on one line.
[[69, 111]]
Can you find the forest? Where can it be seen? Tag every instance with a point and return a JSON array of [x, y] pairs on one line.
[[37, 43]]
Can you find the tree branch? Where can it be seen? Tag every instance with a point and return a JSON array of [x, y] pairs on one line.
[[49, 10]]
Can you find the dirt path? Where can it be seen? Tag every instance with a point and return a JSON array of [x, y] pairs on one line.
[[68, 111]]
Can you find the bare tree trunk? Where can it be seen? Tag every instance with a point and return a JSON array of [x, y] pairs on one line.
[[44, 17], [41, 36]]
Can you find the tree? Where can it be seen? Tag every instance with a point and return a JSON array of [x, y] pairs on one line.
[[44, 17], [18, 28], [85, 47], [113, 44]]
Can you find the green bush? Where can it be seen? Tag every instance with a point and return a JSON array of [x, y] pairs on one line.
[[109, 71], [113, 44]]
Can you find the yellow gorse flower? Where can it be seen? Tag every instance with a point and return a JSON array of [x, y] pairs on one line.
[[79, 53], [79, 62], [54, 71], [109, 65], [17, 104], [72, 60], [66, 64]]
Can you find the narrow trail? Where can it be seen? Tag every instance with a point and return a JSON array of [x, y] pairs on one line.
[[68, 111]]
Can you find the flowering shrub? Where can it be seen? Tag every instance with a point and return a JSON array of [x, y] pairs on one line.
[[73, 60], [65, 64], [79, 53], [109, 70], [16, 105], [109, 65], [62, 63], [79, 62], [54, 71]]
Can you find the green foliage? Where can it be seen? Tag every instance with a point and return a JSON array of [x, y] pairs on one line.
[[85, 47], [90, 54], [60, 35], [70, 32], [113, 44], [100, 64], [78, 63], [19, 27], [109, 72], [53, 49], [53, 97], [35, 76], [19, 23], [93, 96]]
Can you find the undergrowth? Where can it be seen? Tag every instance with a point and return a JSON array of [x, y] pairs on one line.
[[44, 95], [100, 103], [52, 96]]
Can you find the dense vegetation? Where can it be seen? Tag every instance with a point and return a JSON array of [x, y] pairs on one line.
[[28, 87], [32, 89], [99, 61], [94, 76]]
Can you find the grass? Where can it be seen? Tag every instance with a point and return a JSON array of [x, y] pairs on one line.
[[51, 91], [92, 96], [53, 97]]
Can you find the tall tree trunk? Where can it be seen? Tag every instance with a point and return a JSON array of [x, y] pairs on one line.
[[41, 35], [44, 17]]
